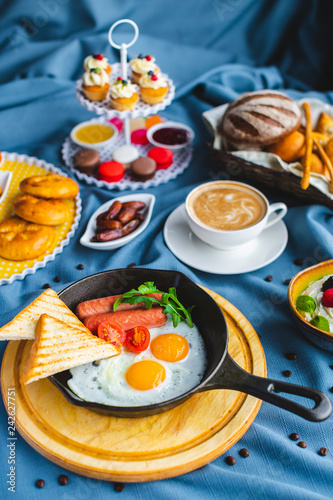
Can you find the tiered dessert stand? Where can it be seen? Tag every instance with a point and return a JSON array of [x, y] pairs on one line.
[[182, 156]]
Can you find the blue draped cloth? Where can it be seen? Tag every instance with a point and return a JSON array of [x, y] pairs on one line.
[[213, 51]]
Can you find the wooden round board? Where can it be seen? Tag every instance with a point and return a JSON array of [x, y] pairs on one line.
[[144, 449]]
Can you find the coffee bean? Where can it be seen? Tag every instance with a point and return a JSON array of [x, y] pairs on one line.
[[40, 483], [47, 285], [302, 444], [57, 279], [230, 460], [331, 389], [63, 479], [244, 452], [269, 278], [287, 281], [119, 487], [80, 266], [291, 356], [287, 373], [298, 262], [323, 452], [132, 264], [294, 436], [331, 366]]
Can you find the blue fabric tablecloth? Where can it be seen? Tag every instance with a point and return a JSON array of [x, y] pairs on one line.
[[214, 51]]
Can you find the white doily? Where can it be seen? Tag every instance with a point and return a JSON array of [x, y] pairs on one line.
[[181, 160], [141, 108]]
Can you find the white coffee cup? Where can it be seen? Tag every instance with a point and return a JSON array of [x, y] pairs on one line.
[[228, 214]]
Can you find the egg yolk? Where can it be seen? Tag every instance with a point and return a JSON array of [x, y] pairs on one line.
[[145, 375], [169, 347]]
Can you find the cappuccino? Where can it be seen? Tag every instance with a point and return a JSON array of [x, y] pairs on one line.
[[227, 206]]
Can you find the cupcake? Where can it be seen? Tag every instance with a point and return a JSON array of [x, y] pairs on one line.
[[153, 88], [97, 61], [123, 95], [95, 84], [140, 66]]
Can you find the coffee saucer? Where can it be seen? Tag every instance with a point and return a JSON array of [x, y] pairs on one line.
[[254, 255]]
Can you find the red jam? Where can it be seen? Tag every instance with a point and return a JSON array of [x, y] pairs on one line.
[[171, 136]]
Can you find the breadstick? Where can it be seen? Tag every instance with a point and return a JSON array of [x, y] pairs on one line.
[[306, 160], [325, 159]]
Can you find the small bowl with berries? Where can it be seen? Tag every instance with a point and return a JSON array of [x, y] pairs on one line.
[[310, 296]]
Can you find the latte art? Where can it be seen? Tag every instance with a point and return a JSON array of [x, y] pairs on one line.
[[228, 208]]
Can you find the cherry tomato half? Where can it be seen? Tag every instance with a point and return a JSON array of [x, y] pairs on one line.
[[111, 332], [137, 339]]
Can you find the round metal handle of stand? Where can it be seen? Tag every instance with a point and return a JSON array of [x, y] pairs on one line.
[[123, 21]]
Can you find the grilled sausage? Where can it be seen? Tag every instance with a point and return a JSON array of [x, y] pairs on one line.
[[105, 305], [150, 318]]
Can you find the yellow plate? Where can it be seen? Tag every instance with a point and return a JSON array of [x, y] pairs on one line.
[[23, 166]]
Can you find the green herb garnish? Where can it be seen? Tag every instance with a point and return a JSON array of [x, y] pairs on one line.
[[321, 323], [169, 302], [305, 303]]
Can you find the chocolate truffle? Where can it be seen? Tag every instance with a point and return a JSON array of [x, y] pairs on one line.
[[143, 169], [86, 161]]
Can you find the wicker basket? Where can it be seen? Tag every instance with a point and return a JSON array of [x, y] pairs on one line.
[[274, 174], [238, 168]]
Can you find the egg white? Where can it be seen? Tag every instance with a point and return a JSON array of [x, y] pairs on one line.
[[106, 383]]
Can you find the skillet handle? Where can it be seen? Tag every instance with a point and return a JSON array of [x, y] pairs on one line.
[[234, 377]]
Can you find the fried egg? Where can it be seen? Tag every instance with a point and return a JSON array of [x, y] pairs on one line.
[[174, 363]]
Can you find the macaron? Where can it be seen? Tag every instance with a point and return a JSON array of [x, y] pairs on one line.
[[110, 171], [162, 156], [143, 169], [139, 136], [125, 154], [86, 161], [117, 122]]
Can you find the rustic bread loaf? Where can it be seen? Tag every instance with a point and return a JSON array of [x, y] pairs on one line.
[[259, 118]]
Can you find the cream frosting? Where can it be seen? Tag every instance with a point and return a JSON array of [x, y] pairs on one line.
[[314, 291], [142, 66], [90, 62], [118, 89], [91, 78], [146, 81]]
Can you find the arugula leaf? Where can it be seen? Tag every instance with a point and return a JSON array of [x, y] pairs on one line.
[[169, 301]]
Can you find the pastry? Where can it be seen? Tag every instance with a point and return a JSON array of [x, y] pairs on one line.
[[97, 61], [290, 148], [162, 156], [49, 212], [258, 119], [50, 186], [22, 240], [86, 161], [325, 124], [110, 171], [123, 95], [140, 66], [95, 84], [143, 169], [153, 88], [317, 166], [125, 154]]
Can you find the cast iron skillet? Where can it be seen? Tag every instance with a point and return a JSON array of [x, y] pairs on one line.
[[221, 373]]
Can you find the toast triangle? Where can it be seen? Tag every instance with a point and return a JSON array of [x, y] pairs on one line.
[[58, 347], [24, 324]]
